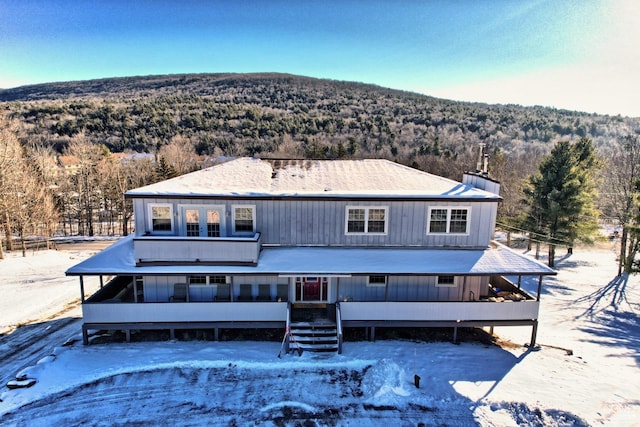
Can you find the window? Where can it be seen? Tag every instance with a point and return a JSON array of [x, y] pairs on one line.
[[213, 223], [377, 281], [202, 221], [244, 219], [448, 221], [366, 220], [197, 280], [217, 279], [446, 281], [376, 222], [160, 218], [192, 219], [458, 221], [207, 280], [356, 221]]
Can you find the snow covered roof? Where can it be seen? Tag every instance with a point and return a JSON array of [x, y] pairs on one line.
[[119, 259], [251, 177]]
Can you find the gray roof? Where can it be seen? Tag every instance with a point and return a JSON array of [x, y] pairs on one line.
[[118, 259], [371, 178]]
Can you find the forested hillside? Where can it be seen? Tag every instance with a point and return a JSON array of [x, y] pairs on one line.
[[291, 116], [178, 118]]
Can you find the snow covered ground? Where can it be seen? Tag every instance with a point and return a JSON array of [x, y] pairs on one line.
[[584, 373]]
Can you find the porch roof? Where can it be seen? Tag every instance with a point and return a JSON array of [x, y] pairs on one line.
[[118, 259]]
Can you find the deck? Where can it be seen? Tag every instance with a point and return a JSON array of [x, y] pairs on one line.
[[119, 305]]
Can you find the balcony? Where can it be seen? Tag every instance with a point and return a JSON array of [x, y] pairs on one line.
[[164, 250]]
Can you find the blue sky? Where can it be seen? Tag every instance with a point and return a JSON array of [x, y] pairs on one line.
[[581, 54]]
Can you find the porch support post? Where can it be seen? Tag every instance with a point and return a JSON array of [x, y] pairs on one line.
[[232, 297], [81, 288], [519, 280], [534, 333], [386, 288], [373, 333], [215, 334], [539, 288], [101, 282], [135, 289], [85, 335], [455, 334]]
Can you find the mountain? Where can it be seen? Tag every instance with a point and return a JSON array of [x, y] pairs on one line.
[[269, 114]]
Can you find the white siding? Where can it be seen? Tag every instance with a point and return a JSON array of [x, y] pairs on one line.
[[411, 288], [313, 222]]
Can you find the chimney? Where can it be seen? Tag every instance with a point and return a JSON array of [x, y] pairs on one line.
[[480, 178]]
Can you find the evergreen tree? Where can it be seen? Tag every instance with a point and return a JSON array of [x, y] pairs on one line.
[[164, 170], [561, 196]]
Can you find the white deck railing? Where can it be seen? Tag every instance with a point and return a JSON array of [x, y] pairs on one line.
[[277, 311], [439, 311], [197, 249], [184, 312]]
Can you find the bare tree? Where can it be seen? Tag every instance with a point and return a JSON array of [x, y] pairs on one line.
[[86, 180], [10, 155], [25, 202], [180, 154], [618, 197]]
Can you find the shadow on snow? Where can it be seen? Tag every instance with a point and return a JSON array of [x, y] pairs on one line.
[[613, 316], [312, 390]]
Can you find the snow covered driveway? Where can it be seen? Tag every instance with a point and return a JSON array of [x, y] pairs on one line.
[[585, 309], [244, 383]]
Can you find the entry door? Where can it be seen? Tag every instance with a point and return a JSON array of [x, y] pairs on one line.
[[203, 221], [311, 288]]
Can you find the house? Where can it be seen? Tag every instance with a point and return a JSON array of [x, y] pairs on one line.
[[312, 247]]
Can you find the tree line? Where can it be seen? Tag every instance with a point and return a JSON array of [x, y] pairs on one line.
[[169, 125]]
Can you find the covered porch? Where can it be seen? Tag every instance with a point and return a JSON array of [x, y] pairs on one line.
[[121, 303]]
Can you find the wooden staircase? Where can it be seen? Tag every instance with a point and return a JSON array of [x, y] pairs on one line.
[[316, 336]]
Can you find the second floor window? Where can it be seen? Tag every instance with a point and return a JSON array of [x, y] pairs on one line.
[[366, 220], [160, 218], [448, 220], [244, 219]]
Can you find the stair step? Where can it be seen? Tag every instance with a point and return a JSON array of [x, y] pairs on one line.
[[324, 324], [319, 335], [317, 347], [316, 340], [312, 332]]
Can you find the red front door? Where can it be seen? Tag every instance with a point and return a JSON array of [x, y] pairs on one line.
[[311, 288]]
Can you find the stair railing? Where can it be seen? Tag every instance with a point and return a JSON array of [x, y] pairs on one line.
[[287, 329], [339, 326]]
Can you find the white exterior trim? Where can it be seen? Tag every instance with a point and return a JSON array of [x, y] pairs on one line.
[[233, 220], [150, 228], [203, 221], [366, 208], [448, 225]]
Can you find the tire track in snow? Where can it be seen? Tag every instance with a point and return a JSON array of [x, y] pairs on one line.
[[26, 345], [225, 396]]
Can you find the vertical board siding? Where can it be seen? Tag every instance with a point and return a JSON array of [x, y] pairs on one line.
[[410, 288], [299, 222], [160, 288]]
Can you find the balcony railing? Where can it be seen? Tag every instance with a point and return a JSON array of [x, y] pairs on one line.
[[439, 311], [185, 312], [181, 249]]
